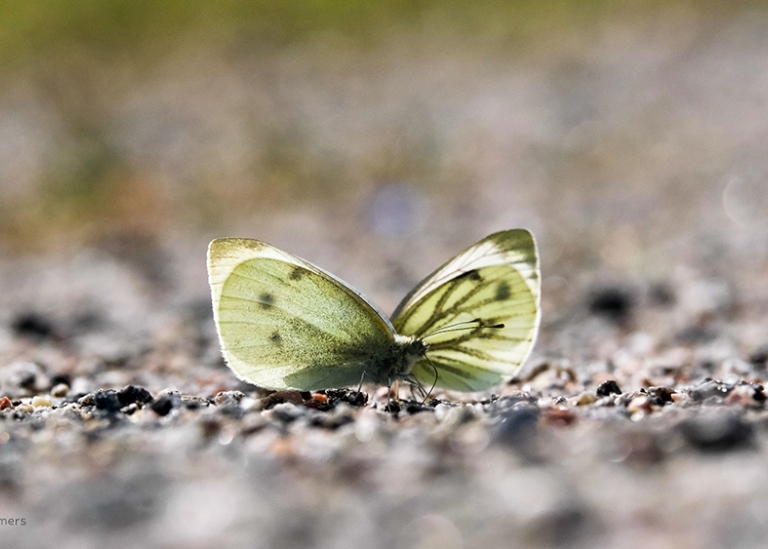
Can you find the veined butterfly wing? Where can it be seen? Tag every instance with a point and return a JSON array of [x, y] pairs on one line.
[[478, 313], [284, 323]]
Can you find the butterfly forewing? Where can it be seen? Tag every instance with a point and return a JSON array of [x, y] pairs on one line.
[[478, 314], [284, 323]]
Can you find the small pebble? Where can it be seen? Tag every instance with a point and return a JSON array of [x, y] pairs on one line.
[[517, 424], [60, 390], [27, 380], [749, 396], [33, 326], [191, 402], [57, 379], [660, 396], [5, 402], [287, 412], [584, 399], [392, 407], [41, 402], [130, 409], [759, 357], [719, 432], [24, 407], [640, 404], [107, 400], [164, 404], [611, 302], [131, 394], [227, 397], [417, 407], [609, 387], [557, 416], [355, 398], [709, 388]]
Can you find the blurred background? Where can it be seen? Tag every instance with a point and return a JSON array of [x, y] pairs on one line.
[[377, 140]]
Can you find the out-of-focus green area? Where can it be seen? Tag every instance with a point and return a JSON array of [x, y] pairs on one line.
[[31, 31], [147, 117]]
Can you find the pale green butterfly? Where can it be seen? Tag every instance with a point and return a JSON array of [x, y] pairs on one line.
[[284, 323]]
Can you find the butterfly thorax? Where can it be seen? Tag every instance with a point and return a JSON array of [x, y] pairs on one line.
[[405, 352]]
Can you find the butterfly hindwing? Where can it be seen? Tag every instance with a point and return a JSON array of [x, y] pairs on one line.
[[490, 292], [285, 324]]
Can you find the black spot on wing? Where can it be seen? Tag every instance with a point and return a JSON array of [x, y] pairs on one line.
[[470, 275], [276, 339], [266, 300], [297, 273], [503, 291]]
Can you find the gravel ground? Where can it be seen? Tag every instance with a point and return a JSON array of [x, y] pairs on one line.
[[641, 416], [635, 154]]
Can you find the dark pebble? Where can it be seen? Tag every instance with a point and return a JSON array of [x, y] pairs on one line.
[[417, 407], [718, 432], [33, 326], [131, 394], [27, 380], [517, 425], [58, 379], [563, 526], [612, 302], [759, 357], [107, 400], [287, 412], [163, 405], [609, 387], [508, 402], [660, 396], [330, 422], [392, 407]]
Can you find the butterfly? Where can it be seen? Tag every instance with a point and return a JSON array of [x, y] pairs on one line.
[[284, 323]]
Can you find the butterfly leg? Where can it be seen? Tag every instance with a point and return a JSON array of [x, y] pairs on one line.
[[393, 405], [414, 382], [360, 385]]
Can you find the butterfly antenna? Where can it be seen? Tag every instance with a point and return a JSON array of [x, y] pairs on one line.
[[437, 375]]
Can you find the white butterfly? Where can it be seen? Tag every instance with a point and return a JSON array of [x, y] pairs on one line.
[[284, 323]]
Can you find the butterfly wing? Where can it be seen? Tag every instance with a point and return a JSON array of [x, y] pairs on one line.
[[493, 288], [283, 323]]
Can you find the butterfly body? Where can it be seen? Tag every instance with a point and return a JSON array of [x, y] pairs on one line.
[[284, 323]]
